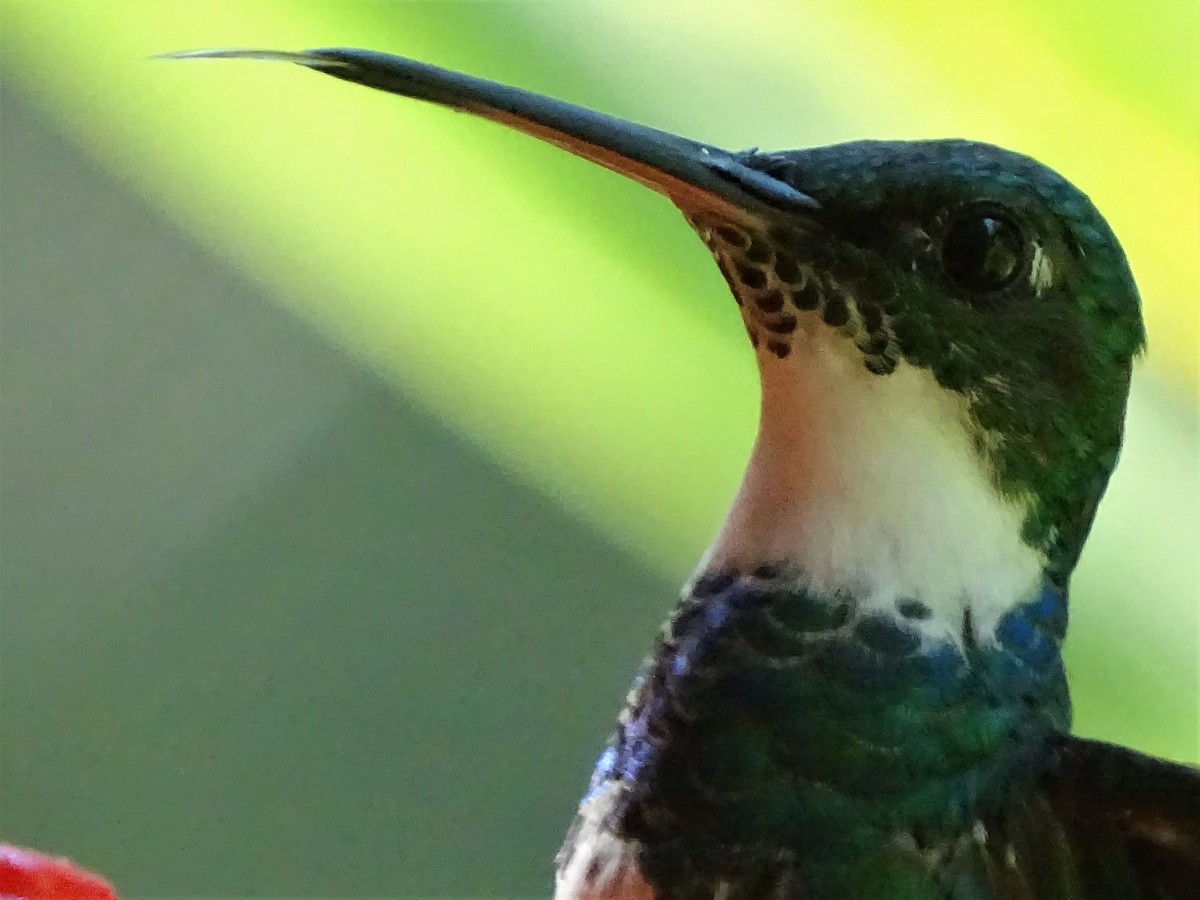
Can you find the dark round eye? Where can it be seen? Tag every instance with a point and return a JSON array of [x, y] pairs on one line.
[[983, 250]]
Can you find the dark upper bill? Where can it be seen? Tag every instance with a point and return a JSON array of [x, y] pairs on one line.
[[696, 177]]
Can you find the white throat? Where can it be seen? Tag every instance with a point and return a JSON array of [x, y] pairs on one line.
[[870, 484]]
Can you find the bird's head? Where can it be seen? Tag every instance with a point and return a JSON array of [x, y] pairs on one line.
[[944, 331], [985, 286]]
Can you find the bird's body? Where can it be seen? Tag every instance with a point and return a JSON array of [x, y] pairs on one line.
[[862, 693]]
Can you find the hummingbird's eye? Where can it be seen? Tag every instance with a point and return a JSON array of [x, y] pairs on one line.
[[983, 250]]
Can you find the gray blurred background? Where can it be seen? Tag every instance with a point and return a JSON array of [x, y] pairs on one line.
[[266, 628]]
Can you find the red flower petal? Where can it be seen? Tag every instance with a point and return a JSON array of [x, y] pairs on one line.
[[26, 875]]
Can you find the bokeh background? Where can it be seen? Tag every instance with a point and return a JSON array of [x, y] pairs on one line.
[[352, 450]]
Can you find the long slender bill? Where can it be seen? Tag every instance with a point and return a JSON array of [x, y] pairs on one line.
[[696, 177]]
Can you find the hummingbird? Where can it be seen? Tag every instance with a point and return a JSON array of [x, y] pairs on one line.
[[861, 692]]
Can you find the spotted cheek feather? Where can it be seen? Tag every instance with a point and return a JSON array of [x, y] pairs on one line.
[[784, 297]]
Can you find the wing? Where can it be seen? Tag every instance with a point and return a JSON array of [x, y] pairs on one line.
[[1149, 807], [1106, 823]]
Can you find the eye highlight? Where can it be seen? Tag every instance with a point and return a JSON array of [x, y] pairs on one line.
[[984, 250]]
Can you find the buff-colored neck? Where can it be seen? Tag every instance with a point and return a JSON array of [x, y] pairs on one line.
[[871, 485]]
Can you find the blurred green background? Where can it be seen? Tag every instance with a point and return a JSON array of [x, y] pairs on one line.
[[352, 450]]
